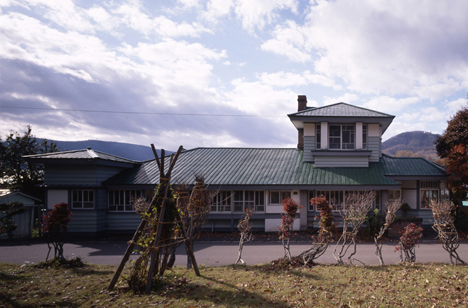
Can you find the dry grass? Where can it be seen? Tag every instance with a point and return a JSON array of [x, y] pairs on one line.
[[416, 285]]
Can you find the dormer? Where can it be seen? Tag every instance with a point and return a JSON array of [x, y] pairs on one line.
[[339, 135]]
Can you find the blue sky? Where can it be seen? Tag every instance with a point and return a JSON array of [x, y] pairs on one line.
[[224, 73]]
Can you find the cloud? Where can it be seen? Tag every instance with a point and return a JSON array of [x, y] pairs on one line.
[[381, 47], [288, 79], [345, 98], [390, 104], [133, 17], [253, 14], [287, 41]]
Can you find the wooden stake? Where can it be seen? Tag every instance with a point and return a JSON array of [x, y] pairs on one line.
[[143, 223]]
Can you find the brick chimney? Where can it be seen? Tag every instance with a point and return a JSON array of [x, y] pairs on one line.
[[300, 137], [301, 105], [301, 102]]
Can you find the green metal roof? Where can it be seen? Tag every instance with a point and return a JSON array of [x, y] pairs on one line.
[[340, 110], [250, 166]]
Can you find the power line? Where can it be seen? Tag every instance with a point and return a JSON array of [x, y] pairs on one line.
[[140, 112]]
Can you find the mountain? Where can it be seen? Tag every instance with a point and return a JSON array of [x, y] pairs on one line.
[[420, 143], [126, 150]]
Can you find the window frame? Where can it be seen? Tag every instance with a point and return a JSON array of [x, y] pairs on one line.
[[340, 137], [125, 195], [318, 136], [282, 194], [430, 187], [243, 199], [342, 196], [82, 193], [392, 197]]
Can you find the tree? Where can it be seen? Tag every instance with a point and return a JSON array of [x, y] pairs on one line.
[[246, 235], [453, 146], [15, 172], [55, 226], [7, 211], [444, 225], [358, 204]]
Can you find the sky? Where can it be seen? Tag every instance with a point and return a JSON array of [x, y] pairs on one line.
[[225, 73]]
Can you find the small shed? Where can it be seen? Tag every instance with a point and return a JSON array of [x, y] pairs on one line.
[[25, 221]]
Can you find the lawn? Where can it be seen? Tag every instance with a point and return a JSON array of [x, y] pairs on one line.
[[417, 285]]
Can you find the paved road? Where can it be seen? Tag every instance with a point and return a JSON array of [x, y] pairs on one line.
[[214, 253]]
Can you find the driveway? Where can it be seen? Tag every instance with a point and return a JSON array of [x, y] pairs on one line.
[[215, 253]]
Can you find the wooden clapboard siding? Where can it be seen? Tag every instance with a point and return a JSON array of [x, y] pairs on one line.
[[124, 221], [78, 174], [374, 145], [309, 145], [87, 221], [341, 161], [100, 202]]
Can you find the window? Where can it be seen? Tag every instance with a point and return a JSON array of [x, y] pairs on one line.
[[429, 191], [430, 184], [221, 202], [364, 137], [318, 135], [259, 201], [334, 198], [341, 137], [276, 197], [394, 194], [83, 199], [337, 198], [239, 201], [122, 200]]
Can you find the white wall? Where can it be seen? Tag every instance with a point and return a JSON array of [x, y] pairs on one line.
[[373, 130], [358, 135], [410, 197], [56, 196], [309, 129], [271, 225]]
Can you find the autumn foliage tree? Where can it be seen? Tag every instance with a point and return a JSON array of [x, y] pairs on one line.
[[290, 208], [453, 147], [55, 226]]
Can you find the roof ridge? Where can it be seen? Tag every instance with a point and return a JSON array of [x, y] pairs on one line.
[[338, 103], [55, 153], [247, 148], [100, 152]]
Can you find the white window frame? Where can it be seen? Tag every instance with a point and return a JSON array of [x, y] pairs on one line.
[[394, 194], [428, 187], [83, 197], [222, 202], [124, 202], [318, 136], [365, 136], [340, 205], [237, 201], [353, 134], [282, 194]]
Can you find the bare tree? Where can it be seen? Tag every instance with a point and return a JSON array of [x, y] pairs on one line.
[[408, 241], [193, 210], [445, 228], [390, 209], [290, 208], [325, 234], [246, 235], [357, 204]]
